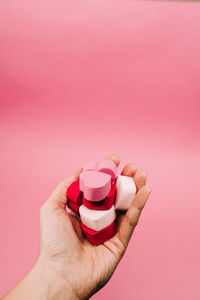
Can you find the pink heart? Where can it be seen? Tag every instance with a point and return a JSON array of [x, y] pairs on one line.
[[95, 185]]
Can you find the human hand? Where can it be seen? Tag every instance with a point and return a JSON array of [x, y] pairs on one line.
[[75, 267]]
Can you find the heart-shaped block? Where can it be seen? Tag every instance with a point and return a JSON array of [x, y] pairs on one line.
[[74, 196], [109, 167], [99, 237], [125, 192], [95, 185], [107, 203], [97, 219], [74, 193], [90, 166]]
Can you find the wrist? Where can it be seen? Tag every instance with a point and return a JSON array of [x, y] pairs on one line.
[[54, 286]]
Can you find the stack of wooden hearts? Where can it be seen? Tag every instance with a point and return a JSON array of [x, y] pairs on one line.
[[97, 195]]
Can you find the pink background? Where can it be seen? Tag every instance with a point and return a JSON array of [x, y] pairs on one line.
[[80, 80]]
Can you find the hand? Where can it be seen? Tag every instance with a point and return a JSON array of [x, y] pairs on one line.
[[68, 255], [69, 267]]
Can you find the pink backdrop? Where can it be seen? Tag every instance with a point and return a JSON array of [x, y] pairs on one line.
[[80, 80]]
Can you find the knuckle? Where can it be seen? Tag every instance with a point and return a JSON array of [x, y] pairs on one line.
[[133, 217], [142, 173], [148, 189]]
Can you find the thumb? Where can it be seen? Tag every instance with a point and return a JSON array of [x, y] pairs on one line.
[[58, 197]]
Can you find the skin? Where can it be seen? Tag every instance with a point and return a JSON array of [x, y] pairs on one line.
[[69, 267]]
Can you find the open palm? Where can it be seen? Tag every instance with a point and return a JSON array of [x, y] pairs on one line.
[[67, 254]]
